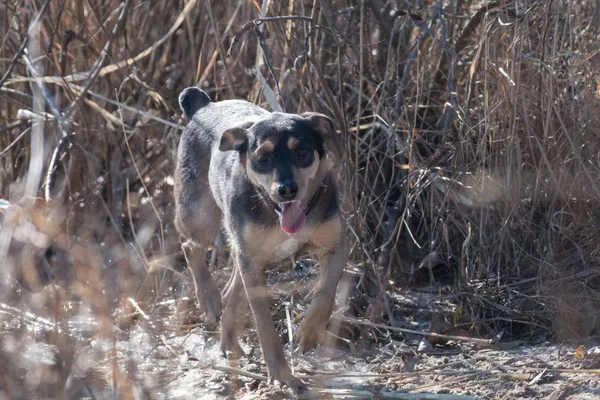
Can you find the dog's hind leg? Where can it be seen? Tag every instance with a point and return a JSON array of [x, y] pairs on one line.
[[205, 286], [201, 225], [230, 323]]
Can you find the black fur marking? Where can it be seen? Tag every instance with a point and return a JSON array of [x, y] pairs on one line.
[[325, 203]]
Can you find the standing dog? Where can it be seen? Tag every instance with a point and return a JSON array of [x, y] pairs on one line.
[[266, 179]]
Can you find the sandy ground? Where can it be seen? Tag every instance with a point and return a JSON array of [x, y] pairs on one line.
[[528, 372], [148, 362]]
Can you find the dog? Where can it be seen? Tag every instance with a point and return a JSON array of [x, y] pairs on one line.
[[267, 179]]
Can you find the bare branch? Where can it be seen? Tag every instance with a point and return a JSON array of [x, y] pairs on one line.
[[98, 64]]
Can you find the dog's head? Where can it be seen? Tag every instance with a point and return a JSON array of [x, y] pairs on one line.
[[286, 157]]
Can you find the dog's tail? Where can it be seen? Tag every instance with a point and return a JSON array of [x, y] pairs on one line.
[[191, 100]]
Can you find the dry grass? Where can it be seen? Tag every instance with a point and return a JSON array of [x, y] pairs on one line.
[[471, 146]]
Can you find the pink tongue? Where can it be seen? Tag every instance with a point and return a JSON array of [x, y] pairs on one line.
[[292, 217]]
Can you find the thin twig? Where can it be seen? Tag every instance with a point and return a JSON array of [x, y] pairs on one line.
[[253, 26], [256, 22], [213, 59], [109, 69], [282, 18], [23, 45], [15, 58], [404, 330], [449, 57], [339, 45], [264, 52], [98, 64], [467, 33], [69, 36], [221, 49], [241, 372], [65, 141], [558, 370], [14, 142], [11, 126], [142, 113], [367, 394], [53, 169]]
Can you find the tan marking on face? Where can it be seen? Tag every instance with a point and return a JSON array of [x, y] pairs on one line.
[[292, 143], [269, 144], [304, 176], [267, 181], [266, 147]]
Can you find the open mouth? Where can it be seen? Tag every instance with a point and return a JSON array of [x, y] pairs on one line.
[[291, 216]]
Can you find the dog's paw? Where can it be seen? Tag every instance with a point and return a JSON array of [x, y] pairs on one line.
[[284, 377], [230, 348], [209, 298], [311, 332]]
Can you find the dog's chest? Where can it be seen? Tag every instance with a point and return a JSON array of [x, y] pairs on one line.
[[289, 247], [274, 245]]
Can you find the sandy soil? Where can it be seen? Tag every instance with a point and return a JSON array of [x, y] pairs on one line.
[[528, 372], [146, 361]]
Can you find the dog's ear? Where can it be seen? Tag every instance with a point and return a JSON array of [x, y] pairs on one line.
[[234, 139], [237, 138], [191, 100], [323, 125]]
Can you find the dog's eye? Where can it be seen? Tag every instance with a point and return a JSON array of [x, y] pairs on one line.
[[263, 158], [301, 152]]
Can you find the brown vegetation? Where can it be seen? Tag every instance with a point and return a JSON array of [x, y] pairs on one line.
[[471, 157]]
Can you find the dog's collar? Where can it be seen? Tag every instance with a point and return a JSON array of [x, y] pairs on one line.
[[315, 198]]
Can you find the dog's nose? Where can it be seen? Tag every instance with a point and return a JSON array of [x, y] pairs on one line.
[[287, 190]]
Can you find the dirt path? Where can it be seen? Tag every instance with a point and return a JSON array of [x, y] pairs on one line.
[[148, 362], [529, 372]]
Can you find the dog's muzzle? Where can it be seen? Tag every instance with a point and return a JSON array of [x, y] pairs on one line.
[[287, 190]]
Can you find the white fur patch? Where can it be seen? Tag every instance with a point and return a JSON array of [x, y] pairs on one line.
[[275, 245], [290, 246]]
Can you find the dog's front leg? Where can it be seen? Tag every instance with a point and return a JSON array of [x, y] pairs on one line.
[[332, 261], [255, 283]]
